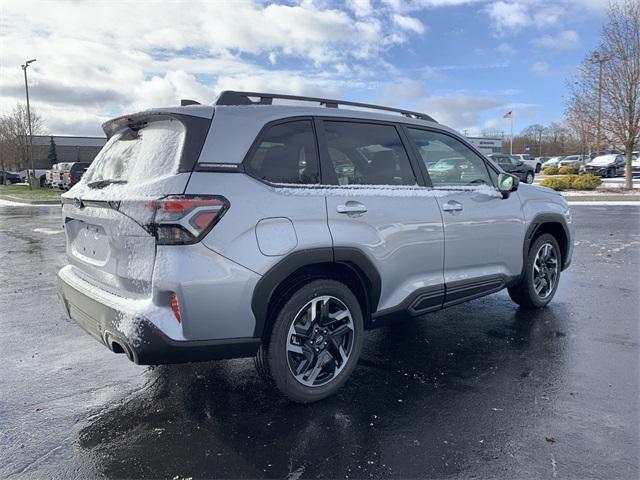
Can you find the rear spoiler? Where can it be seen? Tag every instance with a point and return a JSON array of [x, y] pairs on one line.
[[139, 119], [135, 120]]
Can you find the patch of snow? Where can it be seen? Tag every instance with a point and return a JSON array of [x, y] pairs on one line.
[[48, 231], [9, 203], [130, 326], [380, 190]]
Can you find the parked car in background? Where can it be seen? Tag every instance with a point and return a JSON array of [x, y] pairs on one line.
[[573, 161], [635, 164], [9, 178], [191, 240], [39, 173], [529, 160], [55, 176], [73, 173], [552, 162], [514, 166], [542, 160], [610, 165]]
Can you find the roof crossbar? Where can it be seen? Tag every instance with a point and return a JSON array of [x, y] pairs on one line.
[[230, 97]]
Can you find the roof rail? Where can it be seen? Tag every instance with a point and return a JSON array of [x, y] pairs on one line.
[[230, 97]]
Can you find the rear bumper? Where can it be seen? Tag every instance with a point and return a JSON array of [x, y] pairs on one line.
[[136, 336]]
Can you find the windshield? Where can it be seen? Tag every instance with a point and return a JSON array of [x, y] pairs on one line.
[[138, 156], [603, 160]]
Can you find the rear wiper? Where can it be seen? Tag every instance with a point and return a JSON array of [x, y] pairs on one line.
[[104, 183]]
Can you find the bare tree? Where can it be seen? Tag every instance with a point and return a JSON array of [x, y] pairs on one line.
[[612, 77], [14, 136], [580, 119]]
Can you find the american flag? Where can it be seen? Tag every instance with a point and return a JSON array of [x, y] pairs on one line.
[[508, 114]]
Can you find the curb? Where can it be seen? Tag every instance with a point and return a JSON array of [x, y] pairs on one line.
[[602, 198], [28, 201]]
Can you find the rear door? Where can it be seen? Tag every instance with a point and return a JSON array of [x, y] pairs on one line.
[[483, 232], [377, 206], [108, 213]]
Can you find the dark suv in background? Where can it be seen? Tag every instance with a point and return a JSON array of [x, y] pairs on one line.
[[514, 166], [73, 174]]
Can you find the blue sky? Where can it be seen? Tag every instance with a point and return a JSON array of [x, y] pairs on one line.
[[466, 62]]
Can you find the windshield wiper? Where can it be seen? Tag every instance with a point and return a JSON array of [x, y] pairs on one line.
[[104, 183]]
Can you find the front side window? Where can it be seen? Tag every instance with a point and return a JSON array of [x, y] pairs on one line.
[[286, 154], [450, 163], [367, 154]]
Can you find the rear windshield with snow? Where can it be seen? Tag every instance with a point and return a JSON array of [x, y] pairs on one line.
[[140, 155]]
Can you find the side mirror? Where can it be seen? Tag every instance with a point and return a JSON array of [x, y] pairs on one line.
[[507, 184]]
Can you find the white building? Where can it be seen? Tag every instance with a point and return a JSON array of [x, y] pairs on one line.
[[487, 145]]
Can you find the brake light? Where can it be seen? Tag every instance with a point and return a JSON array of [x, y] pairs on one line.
[[175, 308], [186, 219], [72, 176]]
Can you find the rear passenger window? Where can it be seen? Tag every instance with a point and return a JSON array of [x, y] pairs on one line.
[[286, 154], [367, 154]]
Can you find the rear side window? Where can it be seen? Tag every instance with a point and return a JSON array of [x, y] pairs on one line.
[[141, 155], [367, 154], [286, 154]]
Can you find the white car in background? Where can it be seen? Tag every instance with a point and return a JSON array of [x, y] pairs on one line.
[[529, 160], [574, 161], [552, 162]]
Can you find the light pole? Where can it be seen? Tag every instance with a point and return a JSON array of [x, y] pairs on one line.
[[598, 59], [26, 88]]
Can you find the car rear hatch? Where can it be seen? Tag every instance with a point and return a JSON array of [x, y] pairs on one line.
[[109, 214]]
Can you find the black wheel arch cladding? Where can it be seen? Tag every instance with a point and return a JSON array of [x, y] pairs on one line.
[[556, 225], [310, 263]]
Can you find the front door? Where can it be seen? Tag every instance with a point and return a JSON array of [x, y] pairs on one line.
[[483, 231], [377, 206]]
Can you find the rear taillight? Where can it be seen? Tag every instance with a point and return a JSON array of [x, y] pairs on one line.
[[186, 219], [175, 307], [72, 177]]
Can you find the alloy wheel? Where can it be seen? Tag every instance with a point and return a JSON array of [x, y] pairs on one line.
[[320, 341], [545, 270], [529, 178]]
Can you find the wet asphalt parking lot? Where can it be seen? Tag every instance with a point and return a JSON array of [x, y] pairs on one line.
[[476, 391]]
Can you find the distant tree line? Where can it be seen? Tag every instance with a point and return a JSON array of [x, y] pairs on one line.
[[543, 140]]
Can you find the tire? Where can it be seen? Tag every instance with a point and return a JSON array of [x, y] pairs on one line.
[[538, 168], [529, 178], [295, 343], [526, 293]]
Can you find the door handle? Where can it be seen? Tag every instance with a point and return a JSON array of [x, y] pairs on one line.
[[351, 208], [452, 206]]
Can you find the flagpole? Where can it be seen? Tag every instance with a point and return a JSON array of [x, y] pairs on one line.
[[511, 133]]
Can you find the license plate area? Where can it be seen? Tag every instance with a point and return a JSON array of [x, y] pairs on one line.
[[89, 242]]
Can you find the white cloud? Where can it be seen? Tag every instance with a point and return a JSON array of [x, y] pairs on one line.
[[413, 5], [459, 110], [106, 60], [361, 8], [541, 68], [508, 16], [408, 23], [565, 40], [505, 49]]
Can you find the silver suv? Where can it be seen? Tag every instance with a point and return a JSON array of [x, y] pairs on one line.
[[283, 232]]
